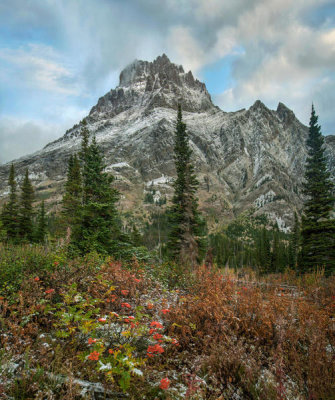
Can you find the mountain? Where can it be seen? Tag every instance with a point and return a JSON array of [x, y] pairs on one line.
[[248, 158]]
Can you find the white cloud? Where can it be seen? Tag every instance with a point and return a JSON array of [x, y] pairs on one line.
[[20, 136], [39, 66], [186, 48]]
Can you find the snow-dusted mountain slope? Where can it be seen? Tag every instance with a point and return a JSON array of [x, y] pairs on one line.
[[249, 158]]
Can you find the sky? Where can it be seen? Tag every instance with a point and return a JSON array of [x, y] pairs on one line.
[[57, 57]]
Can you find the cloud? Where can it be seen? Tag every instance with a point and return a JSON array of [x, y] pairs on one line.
[[21, 137], [39, 66]]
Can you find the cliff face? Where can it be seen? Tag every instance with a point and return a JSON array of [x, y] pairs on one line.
[[249, 158]]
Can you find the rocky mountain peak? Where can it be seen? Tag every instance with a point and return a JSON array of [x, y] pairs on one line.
[[140, 70], [284, 113], [149, 85]]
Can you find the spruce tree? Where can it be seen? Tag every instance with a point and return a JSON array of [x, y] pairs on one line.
[[186, 239], [264, 251], [10, 212], [72, 199], [41, 226], [99, 226], [275, 253], [317, 228], [294, 243], [26, 209]]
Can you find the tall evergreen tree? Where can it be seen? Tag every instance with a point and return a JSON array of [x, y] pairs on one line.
[[26, 209], [99, 228], [275, 264], [186, 239], [41, 226], [10, 211], [317, 228], [72, 199], [294, 243], [264, 251]]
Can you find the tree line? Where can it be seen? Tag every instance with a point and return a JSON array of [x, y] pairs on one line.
[[19, 222], [89, 212]]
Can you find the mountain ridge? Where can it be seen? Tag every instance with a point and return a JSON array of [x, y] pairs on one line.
[[248, 158]]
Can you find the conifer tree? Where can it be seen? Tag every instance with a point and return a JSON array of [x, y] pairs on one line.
[[26, 209], [275, 253], [317, 228], [2, 232], [41, 227], [72, 199], [10, 212], [294, 243], [186, 239], [99, 226]]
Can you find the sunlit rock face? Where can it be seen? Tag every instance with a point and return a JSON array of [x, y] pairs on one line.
[[249, 159]]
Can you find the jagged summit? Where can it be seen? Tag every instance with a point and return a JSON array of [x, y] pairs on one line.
[[139, 70], [160, 83]]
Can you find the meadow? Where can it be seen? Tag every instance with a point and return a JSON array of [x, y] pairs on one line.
[[97, 328]]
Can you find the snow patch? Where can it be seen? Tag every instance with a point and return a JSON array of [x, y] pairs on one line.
[[163, 180], [264, 199], [120, 165], [282, 225], [264, 178]]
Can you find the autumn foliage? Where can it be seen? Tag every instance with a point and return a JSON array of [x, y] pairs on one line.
[[121, 331]]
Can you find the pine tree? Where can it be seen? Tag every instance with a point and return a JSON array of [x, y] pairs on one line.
[[294, 243], [41, 227], [275, 253], [26, 209], [10, 211], [186, 239], [318, 229], [99, 226], [72, 199]]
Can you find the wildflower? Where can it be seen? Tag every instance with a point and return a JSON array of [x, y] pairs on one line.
[[156, 349], [157, 336], [175, 342], [36, 279], [114, 314], [94, 356], [125, 305], [91, 341], [156, 324], [56, 263], [49, 291], [165, 383], [102, 320], [125, 292], [110, 351], [151, 331], [150, 306], [113, 298], [137, 280], [244, 288], [165, 311]]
